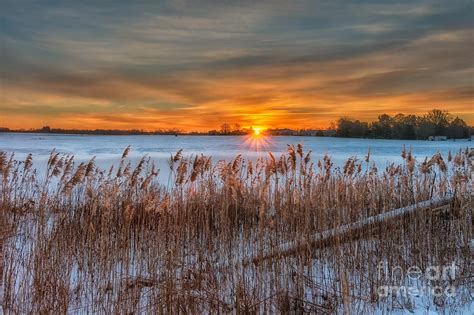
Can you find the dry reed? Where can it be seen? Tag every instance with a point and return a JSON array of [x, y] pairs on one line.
[[82, 239]]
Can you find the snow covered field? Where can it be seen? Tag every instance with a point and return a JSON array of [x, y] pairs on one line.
[[108, 149], [113, 242]]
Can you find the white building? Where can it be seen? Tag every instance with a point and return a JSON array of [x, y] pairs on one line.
[[437, 138]]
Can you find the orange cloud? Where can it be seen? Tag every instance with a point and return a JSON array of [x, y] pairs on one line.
[[287, 66]]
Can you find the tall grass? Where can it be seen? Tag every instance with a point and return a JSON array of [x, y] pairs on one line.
[[83, 239]]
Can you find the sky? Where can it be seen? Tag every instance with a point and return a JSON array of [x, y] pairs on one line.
[[193, 65]]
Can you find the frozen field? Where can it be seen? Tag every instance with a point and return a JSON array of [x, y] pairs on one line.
[[239, 237], [108, 149]]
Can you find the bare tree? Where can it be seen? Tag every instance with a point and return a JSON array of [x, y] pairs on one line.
[[225, 128]]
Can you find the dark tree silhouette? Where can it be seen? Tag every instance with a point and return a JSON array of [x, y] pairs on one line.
[[434, 123]]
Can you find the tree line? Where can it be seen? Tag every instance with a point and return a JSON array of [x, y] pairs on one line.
[[48, 129], [434, 123]]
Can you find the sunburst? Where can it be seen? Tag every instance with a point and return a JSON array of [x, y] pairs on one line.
[[257, 140]]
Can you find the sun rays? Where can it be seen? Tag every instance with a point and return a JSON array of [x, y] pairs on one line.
[[257, 140]]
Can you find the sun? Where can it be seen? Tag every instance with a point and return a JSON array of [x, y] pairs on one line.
[[257, 140]]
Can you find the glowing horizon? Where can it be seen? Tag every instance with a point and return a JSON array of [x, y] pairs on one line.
[[192, 67]]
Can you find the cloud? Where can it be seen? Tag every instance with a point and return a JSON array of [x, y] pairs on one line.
[[194, 64]]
